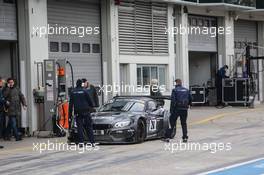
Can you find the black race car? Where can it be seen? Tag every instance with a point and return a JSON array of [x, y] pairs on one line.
[[130, 119]]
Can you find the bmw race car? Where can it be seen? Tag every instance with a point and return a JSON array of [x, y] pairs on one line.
[[130, 119]]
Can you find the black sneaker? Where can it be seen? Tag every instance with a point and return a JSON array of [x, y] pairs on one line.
[[19, 139], [1, 147], [184, 140]]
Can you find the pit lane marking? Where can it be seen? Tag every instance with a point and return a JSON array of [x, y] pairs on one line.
[[219, 116], [254, 167]]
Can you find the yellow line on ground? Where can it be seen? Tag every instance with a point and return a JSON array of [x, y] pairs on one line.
[[219, 116], [16, 150]]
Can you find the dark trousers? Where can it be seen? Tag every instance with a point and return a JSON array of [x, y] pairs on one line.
[[84, 124], [173, 121], [2, 124], [219, 91], [12, 125]]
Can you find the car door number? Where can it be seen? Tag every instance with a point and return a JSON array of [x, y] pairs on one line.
[[152, 125]]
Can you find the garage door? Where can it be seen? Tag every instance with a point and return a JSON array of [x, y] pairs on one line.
[[75, 36], [245, 33], [8, 29], [200, 40]]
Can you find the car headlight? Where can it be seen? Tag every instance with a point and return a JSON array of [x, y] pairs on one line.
[[122, 124]]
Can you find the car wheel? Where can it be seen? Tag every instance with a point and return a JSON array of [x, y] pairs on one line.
[[141, 132]]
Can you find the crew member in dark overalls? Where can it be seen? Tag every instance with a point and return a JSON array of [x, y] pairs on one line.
[[2, 111], [92, 92], [221, 74], [80, 103], [180, 101]]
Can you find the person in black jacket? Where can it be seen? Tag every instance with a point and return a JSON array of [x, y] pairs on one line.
[[180, 101], [80, 104], [14, 100], [220, 75], [92, 92], [2, 115]]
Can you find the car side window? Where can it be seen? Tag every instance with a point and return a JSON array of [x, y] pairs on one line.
[[151, 106], [137, 107]]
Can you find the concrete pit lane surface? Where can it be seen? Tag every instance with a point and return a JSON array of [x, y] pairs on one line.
[[221, 141]]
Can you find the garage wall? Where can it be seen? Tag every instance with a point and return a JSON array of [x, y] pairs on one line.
[[202, 42], [8, 29], [87, 61], [199, 68], [5, 60], [245, 32]]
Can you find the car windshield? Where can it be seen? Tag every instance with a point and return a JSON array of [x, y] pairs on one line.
[[120, 105]]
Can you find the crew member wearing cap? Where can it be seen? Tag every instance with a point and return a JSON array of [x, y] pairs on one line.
[[80, 104]]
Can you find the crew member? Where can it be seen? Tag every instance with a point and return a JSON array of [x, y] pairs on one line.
[[155, 91], [14, 98], [180, 101], [81, 103], [221, 74], [2, 116], [92, 92]]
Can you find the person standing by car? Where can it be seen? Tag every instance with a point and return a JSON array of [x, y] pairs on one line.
[[220, 75], [80, 104], [92, 92], [14, 98], [180, 101], [2, 106], [155, 91]]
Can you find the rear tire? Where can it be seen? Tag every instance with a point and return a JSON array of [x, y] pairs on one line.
[[141, 132]]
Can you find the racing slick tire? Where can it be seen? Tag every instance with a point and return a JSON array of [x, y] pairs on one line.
[[141, 132]]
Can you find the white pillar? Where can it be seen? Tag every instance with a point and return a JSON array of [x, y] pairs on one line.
[[114, 44], [182, 52], [229, 42], [110, 49], [261, 53], [32, 48], [171, 67], [132, 69]]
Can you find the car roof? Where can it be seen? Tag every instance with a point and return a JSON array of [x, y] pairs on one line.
[[135, 98]]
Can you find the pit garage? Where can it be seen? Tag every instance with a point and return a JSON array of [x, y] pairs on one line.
[[8, 39], [76, 36], [202, 58], [245, 33]]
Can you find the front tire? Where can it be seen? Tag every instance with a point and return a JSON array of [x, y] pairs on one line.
[[141, 132]]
